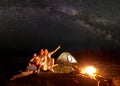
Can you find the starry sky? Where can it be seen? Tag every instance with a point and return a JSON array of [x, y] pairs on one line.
[[28, 25]]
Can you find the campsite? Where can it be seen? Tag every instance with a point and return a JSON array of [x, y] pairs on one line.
[[66, 73], [88, 32]]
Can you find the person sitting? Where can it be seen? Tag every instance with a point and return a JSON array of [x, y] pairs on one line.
[[43, 61], [50, 61], [35, 62]]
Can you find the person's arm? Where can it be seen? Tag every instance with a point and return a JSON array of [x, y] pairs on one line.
[[55, 50], [30, 62], [32, 59]]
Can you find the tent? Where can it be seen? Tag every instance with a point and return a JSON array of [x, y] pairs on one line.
[[66, 57]]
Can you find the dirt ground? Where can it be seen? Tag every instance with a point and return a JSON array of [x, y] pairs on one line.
[[63, 75], [52, 79]]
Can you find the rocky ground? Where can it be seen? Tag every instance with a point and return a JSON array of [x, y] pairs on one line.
[[63, 75]]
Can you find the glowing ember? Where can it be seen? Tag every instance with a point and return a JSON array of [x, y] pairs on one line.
[[90, 70]]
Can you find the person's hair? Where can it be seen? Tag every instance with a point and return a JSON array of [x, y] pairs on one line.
[[41, 50], [46, 50], [35, 54]]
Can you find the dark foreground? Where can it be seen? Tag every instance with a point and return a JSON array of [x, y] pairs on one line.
[[53, 79], [64, 75]]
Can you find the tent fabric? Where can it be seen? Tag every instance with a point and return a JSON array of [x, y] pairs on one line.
[[66, 57]]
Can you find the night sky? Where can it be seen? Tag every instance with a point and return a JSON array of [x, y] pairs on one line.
[[29, 25]]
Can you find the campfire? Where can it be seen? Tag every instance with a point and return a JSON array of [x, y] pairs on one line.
[[89, 70]]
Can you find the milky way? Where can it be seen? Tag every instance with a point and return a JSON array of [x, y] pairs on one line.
[[75, 24]]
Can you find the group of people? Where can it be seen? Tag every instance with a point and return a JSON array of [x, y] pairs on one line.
[[43, 60]]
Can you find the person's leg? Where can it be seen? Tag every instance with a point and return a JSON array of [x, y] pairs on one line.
[[51, 64], [38, 68], [34, 68], [52, 61], [44, 67]]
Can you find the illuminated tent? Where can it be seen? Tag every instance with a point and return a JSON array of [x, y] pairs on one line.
[[66, 57]]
